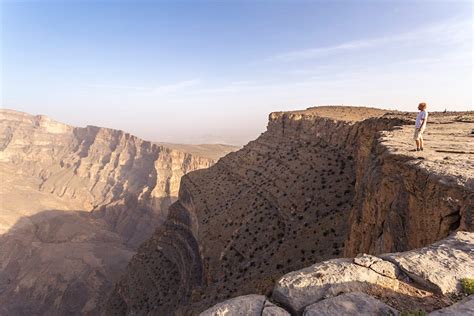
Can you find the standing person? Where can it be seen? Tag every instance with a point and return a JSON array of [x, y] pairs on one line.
[[420, 125]]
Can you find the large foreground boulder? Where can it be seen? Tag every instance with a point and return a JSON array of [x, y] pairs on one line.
[[438, 268], [299, 289], [464, 307], [441, 266]]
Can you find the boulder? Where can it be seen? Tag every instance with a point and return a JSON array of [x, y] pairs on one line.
[[301, 288], [356, 303], [441, 266], [248, 305], [271, 309], [464, 307], [378, 265]]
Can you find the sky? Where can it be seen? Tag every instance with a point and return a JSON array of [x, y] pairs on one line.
[[212, 71]]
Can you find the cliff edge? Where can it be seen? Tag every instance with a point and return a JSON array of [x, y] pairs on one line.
[[322, 183]]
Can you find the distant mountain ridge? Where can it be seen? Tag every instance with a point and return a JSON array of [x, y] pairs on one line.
[[75, 203]]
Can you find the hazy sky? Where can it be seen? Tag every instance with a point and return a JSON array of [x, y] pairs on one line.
[[212, 71]]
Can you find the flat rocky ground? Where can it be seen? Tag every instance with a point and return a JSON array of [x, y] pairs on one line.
[[448, 147], [344, 113]]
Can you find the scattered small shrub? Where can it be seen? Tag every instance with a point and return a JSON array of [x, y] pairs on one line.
[[467, 285]]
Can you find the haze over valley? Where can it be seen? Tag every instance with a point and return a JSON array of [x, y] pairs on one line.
[[228, 158], [75, 205]]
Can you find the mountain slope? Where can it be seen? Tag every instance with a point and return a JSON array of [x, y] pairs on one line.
[[75, 203]]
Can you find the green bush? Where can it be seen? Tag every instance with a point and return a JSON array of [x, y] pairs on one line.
[[414, 313], [467, 285]]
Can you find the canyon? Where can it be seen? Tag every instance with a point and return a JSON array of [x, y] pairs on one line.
[[322, 183], [328, 206], [75, 204]]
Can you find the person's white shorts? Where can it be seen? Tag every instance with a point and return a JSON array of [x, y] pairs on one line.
[[418, 134]]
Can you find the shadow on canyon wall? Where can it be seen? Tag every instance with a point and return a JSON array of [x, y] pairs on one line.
[[66, 262]]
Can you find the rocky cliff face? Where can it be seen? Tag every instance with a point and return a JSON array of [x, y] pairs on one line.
[[317, 184], [75, 205], [406, 200]]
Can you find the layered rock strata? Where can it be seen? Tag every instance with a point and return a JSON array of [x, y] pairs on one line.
[[75, 203], [310, 188]]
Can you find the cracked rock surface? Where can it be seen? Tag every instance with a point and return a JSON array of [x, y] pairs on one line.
[[355, 303], [441, 266], [248, 305], [464, 307], [301, 288]]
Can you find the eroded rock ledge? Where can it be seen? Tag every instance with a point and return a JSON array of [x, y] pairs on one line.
[[423, 279]]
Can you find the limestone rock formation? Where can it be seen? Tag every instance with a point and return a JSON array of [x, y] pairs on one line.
[[380, 266], [441, 266], [248, 305], [317, 184], [346, 287], [464, 307], [355, 303], [75, 203], [301, 288], [444, 264]]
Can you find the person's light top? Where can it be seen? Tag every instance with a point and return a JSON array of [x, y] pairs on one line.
[[423, 115]]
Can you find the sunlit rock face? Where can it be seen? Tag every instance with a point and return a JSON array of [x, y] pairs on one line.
[[317, 184], [75, 203]]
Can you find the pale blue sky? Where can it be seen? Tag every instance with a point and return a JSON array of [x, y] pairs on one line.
[[212, 71]]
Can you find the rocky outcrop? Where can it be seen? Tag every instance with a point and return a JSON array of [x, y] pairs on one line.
[[318, 183], [355, 303], [445, 263], [75, 205], [354, 287], [464, 307], [248, 305], [301, 288], [441, 266]]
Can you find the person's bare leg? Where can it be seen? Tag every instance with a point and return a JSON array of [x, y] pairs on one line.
[[417, 144], [421, 142]]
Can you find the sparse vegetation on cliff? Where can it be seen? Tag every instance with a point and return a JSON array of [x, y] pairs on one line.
[[467, 285]]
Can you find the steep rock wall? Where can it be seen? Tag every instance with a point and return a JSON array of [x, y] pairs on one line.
[[75, 204], [96, 165], [405, 201], [267, 209]]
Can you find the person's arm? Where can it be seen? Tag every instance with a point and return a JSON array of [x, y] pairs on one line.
[[423, 119]]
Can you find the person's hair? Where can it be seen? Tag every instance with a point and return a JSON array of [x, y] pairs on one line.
[[422, 106]]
